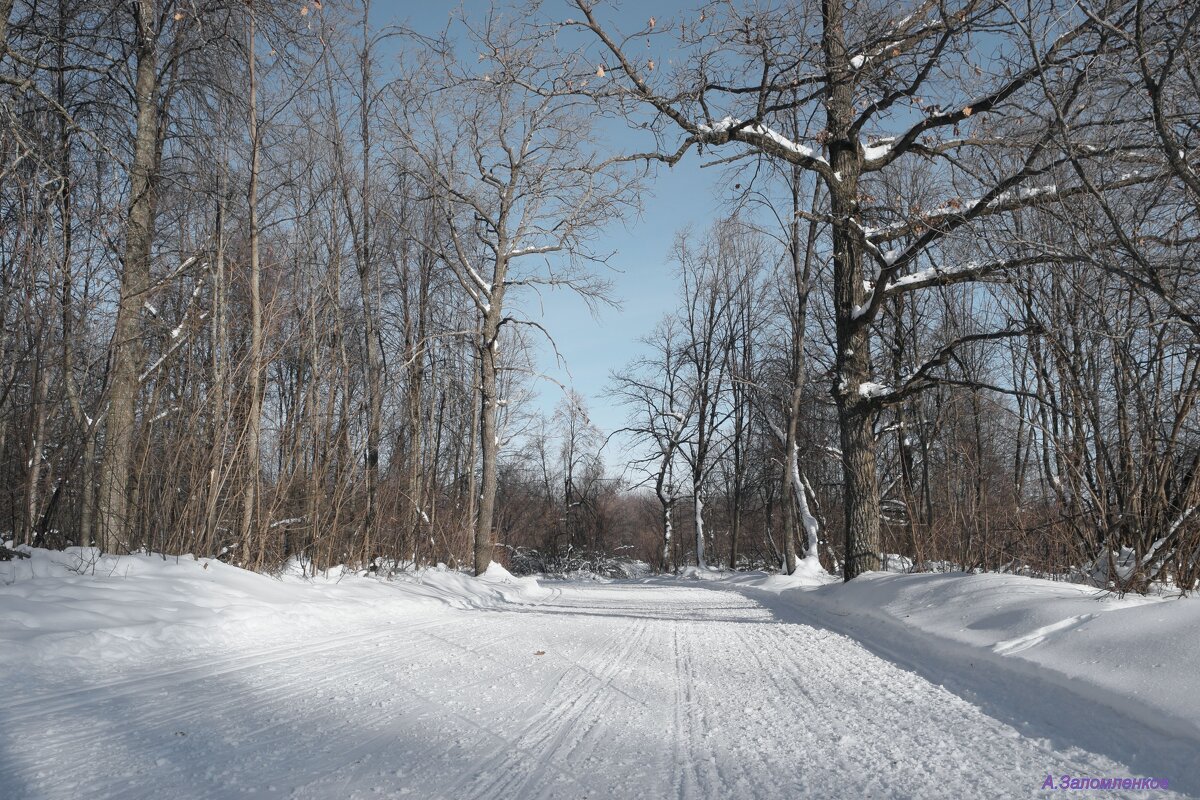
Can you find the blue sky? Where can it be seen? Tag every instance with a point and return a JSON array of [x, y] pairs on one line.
[[645, 286], [643, 279]]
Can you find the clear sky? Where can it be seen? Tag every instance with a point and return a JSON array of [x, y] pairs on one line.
[[644, 285], [643, 281]]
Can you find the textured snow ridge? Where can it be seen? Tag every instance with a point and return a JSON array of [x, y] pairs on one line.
[[655, 688], [1135, 656]]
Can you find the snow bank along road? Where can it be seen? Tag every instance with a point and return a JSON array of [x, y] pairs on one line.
[[628, 690]]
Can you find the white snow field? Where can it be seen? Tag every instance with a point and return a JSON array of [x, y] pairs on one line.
[[143, 678]]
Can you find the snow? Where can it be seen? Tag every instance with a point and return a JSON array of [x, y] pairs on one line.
[[918, 278], [871, 390], [785, 143], [532, 250], [728, 123], [139, 677], [484, 286], [1127, 655], [928, 274], [961, 207], [873, 152], [721, 126], [76, 612]]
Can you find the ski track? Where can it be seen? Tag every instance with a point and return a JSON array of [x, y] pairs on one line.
[[642, 690]]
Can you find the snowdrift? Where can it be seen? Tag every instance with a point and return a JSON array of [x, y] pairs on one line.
[[1029, 651], [75, 612], [1136, 656]]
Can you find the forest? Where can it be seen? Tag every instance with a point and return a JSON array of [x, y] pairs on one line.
[[266, 272]]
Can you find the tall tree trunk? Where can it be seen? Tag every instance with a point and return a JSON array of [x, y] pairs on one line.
[[794, 496], [88, 476], [86, 425], [489, 443], [668, 507], [664, 490], [853, 361], [735, 528], [318, 435], [904, 447], [789, 498], [36, 444], [740, 435], [135, 281], [415, 335], [473, 438], [219, 425], [254, 412], [368, 282]]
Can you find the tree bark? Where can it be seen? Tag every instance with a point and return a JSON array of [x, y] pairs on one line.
[[135, 281], [6, 7], [216, 473], [698, 520], [254, 412], [37, 442], [489, 444], [368, 280], [793, 490], [853, 342]]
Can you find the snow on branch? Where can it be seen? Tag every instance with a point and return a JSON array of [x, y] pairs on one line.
[[937, 276], [533, 251], [765, 138], [981, 104], [1008, 200], [177, 334], [924, 377]]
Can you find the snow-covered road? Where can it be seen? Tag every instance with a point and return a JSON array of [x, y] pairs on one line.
[[626, 690]]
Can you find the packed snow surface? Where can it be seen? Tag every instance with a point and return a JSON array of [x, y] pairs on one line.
[[146, 678]]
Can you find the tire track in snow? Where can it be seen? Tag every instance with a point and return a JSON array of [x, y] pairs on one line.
[[644, 690], [191, 672], [274, 684], [686, 777], [578, 690], [838, 710]]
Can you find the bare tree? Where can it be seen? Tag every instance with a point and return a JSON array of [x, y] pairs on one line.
[[124, 384], [505, 152], [661, 410], [308, 335], [859, 78], [712, 277]]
